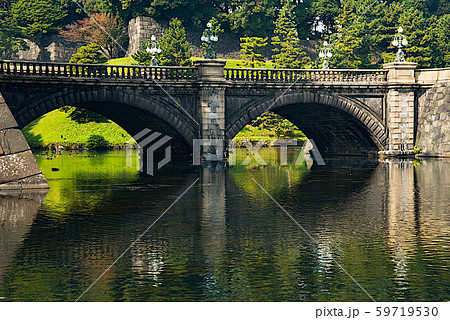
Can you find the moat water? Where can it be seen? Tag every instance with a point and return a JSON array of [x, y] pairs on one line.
[[385, 222]]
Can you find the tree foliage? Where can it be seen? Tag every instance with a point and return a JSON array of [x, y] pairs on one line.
[[89, 54], [347, 43], [360, 31], [103, 29], [97, 142], [37, 18], [142, 57], [252, 18], [365, 31], [251, 51], [175, 49], [286, 42], [283, 128], [10, 34]]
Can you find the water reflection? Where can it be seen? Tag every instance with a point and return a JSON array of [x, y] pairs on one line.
[[18, 210], [386, 223], [401, 212]]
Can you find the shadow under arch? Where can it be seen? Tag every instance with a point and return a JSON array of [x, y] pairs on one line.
[[132, 112], [337, 124]]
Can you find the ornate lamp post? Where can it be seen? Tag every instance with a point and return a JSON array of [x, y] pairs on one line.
[[325, 53], [209, 36], [153, 50], [399, 42]]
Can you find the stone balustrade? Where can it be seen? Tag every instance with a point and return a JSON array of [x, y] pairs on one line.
[[190, 73], [291, 75], [24, 68]]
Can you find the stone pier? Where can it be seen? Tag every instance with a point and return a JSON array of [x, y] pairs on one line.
[[212, 104], [18, 167], [400, 108]]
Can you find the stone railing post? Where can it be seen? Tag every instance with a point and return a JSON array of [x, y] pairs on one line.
[[211, 80], [400, 113]]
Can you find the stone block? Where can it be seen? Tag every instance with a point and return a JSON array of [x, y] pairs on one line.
[[36, 181], [13, 141], [18, 166], [6, 117]]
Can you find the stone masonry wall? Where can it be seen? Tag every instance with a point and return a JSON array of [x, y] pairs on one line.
[[18, 167], [53, 49], [433, 127]]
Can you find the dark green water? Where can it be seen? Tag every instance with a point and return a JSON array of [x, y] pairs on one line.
[[386, 223]]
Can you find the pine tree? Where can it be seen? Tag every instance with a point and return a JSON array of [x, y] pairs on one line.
[[175, 49], [415, 27], [442, 42], [326, 11], [10, 34], [288, 53], [142, 57], [251, 51], [89, 54], [37, 18], [347, 44]]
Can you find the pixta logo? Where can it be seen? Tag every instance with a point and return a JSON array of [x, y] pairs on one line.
[[147, 144]]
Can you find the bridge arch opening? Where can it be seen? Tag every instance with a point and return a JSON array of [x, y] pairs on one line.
[[269, 126], [132, 113], [338, 126]]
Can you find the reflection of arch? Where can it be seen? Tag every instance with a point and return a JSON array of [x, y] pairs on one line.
[[357, 128], [132, 112]]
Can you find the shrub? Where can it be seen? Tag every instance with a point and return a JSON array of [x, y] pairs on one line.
[[92, 53], [97, 142]]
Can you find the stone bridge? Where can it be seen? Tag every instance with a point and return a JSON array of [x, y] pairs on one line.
[[350, 112]]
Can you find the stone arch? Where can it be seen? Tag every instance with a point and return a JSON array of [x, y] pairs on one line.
[[132, 111], [368, 129]]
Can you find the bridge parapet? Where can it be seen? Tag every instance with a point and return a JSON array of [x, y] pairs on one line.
[[291, 75], [429, 76], [26, 68]]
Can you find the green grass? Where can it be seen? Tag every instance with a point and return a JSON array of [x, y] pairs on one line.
[[57, 127], [234, 63], [237, 63], [125, 61]]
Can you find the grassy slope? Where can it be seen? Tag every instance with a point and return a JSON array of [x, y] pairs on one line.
[[56, 127], [126, 61]]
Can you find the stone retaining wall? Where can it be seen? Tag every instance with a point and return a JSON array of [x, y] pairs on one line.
[[18, 167], [433, 127], [54, 49]]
